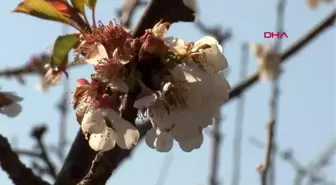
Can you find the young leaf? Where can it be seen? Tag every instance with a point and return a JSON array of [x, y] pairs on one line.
[[91, 4], [41, 9], [62, 6], [61, 49], [78, 5]]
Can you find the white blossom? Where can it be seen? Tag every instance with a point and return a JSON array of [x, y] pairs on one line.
[[162, 141], [206, 51], [51, 78], [176, 44], [146, 101], [193, 143], [98, 56], [107, 128], [213, 55], [268, 61], [13, 109], [205, 91]]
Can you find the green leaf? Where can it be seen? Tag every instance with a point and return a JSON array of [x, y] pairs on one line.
[[79, 6], [91, 4], [61, 49], [41, 9]]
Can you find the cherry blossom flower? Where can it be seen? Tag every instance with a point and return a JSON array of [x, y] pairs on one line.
[[9, 105], [108, 68], [268, 61], [99, 120], [201, 74], [108, 129], [177, 81]]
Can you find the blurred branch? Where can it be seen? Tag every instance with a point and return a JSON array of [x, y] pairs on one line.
[[38, 133], [164, 169], [27, 153], [216, 143], [216, 31], [126, 13], [238, 130], [319, 162], [275, 96], [35, 65], [17, 171], [63, 109], [310, 170]]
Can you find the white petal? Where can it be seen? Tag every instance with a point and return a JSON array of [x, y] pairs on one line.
[[145, 102], [220, 89], [103, 141], [186, 128], [97, 54], [268, 62], [126, 134], [161, 119], [187, 73], [11, 110], [93, 121], [43, 86], [119, 85], [256, 48], [213, 54], [176, 44], [164, 142], [192, 144], [150, 137]]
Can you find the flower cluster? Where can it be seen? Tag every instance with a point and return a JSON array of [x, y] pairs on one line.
[[268, 61], [9, 105], [181, 87]]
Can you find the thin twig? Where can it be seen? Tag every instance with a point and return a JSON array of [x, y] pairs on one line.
[[216, 141], [319, 162], [38, 133], [27, 153], [164, 169], [263, 168], [63, 109], [274, 100], [17, 171], [216, 31], [238, 130]]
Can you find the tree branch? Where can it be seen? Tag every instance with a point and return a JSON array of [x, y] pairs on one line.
[[17, 171], [126, 13]]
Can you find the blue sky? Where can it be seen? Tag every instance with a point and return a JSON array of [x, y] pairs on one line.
[[307, 106]]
